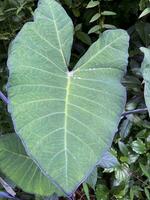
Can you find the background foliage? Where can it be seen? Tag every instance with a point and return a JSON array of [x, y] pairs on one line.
[[129, 178]]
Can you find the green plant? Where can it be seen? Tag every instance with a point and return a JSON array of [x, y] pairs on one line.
[[62, 113], [130, 150], [146, 11], [99, 17]]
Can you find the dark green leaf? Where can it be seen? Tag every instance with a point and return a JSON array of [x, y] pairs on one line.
[[102, 192]]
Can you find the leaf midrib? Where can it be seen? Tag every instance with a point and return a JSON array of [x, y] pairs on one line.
[[66, 100], [65, 127]]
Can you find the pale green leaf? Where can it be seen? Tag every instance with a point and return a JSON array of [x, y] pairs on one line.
[[16, 165], [132, 157], [107, 13], [92, 4], [122, 172], [95, 17], [62, 117], [94, 29], [86, 190], [138, 146], [109, 26], [145, 12]]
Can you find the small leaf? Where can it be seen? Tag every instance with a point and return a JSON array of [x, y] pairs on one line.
[[83, 37], [135, 191], [123, 148], [143, 29], [102, 192], [145, 170], [119, 190], [109, 26], [122, 172], [147, 193], [124, 159], [76, 12], [94, 29], [78, 27], [131, 105], [107, 13], [145, 12], [92, 4], [138, 146], [19, 9], [131, 194], [68, 2], [109, 170], [132, 157], [86, 190], [125, 128], [95, 17]]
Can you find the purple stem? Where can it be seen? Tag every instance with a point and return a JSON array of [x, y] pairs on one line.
[[141, 110], [6, 195], [2, 96]]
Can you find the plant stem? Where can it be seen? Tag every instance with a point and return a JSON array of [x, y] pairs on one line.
[[2, 96], [141, 110]]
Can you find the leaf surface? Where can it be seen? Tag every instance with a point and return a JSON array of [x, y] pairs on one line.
[[145, 68], [21, 169], [66, 120], [108, 160]]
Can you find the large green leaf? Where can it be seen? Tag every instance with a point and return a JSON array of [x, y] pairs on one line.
[[146, 75], [66, 120], [21, 169]]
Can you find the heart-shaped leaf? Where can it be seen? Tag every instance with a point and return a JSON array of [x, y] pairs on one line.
[[21, 169], [66, 120]]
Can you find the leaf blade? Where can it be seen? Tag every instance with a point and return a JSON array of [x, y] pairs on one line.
[[145, 71], [52, 112], [15, 163]]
